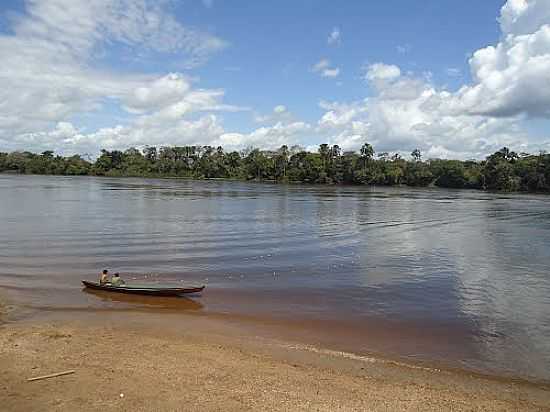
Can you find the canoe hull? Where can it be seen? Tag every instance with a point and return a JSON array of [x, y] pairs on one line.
[[141, 290]]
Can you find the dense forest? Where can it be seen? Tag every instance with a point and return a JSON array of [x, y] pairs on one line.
[[504, 170]]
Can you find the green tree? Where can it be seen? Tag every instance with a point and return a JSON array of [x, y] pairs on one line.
[[418, 174], [367, 174], [416, 155], [367, 151], [234, 164], [324, 153], [281, 162], [499, 173], [3, 161], [257, 165], [449, 173]]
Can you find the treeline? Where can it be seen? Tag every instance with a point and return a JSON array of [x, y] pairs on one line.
[[504, 170]]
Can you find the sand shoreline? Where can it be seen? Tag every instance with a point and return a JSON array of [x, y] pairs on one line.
[[209, 369], [300, 332]]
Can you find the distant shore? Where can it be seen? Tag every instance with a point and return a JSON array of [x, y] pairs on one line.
[[504, 170], [121, 363]]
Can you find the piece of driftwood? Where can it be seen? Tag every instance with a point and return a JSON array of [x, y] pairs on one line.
[[53, 375]]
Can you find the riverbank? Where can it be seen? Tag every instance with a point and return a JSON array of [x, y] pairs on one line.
[[503, 171], [123, 364]]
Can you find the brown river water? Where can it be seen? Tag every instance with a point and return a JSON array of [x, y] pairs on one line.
[[459, 278]]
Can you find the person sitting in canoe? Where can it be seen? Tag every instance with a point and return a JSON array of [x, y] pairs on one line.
[[104, 278], [116, 280]]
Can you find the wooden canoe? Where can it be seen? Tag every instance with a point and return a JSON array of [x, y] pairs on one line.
[[154, 290]]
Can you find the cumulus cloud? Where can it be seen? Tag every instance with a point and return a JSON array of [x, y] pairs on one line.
[[407, 112], [66, 138], [279, 127], [519, 17], [268, 137], [161, 92], [280, 113], [513, 76], [334, 37], [47, 75], [510, 80], [381, 71], [325, 69]]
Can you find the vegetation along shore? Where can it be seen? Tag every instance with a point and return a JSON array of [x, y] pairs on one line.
[[504, 170]]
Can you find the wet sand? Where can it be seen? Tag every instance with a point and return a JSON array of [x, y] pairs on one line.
[[444, 345], [213, 364]]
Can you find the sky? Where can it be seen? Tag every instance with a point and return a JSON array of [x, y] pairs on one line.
[[454, 79]]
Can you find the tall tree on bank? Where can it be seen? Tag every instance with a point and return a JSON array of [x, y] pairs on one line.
[[281, 162]]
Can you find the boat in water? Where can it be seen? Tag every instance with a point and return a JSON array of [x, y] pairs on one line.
[[154, 290]]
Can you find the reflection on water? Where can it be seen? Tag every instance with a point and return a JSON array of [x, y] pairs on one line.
[[468, 269], [168, 303]]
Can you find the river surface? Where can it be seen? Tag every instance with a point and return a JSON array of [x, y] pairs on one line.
[[454, 277]]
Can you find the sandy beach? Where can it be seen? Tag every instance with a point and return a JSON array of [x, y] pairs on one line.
[[126, 363]]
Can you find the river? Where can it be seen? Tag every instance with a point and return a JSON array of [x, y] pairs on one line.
[[458, 278]]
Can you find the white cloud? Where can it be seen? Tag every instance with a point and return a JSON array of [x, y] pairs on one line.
[[519, 17], [66, 138], [321, 65], [279, 109], [330, 72], [269, 137], [77, 26], [453, 72], [161, 92], [280, 127], [513, 76], [325, 69], [47, 75], [510, 80], [407, 112], [338, 114], [334, 37], [280, 113], [381, 71]]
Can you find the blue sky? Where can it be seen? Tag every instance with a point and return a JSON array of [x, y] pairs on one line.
[[399, 74], [274, 45]]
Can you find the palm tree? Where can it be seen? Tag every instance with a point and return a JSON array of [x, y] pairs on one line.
[[367, 153], [335, 151], [282, 158], [324, 152], [416, 155]]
